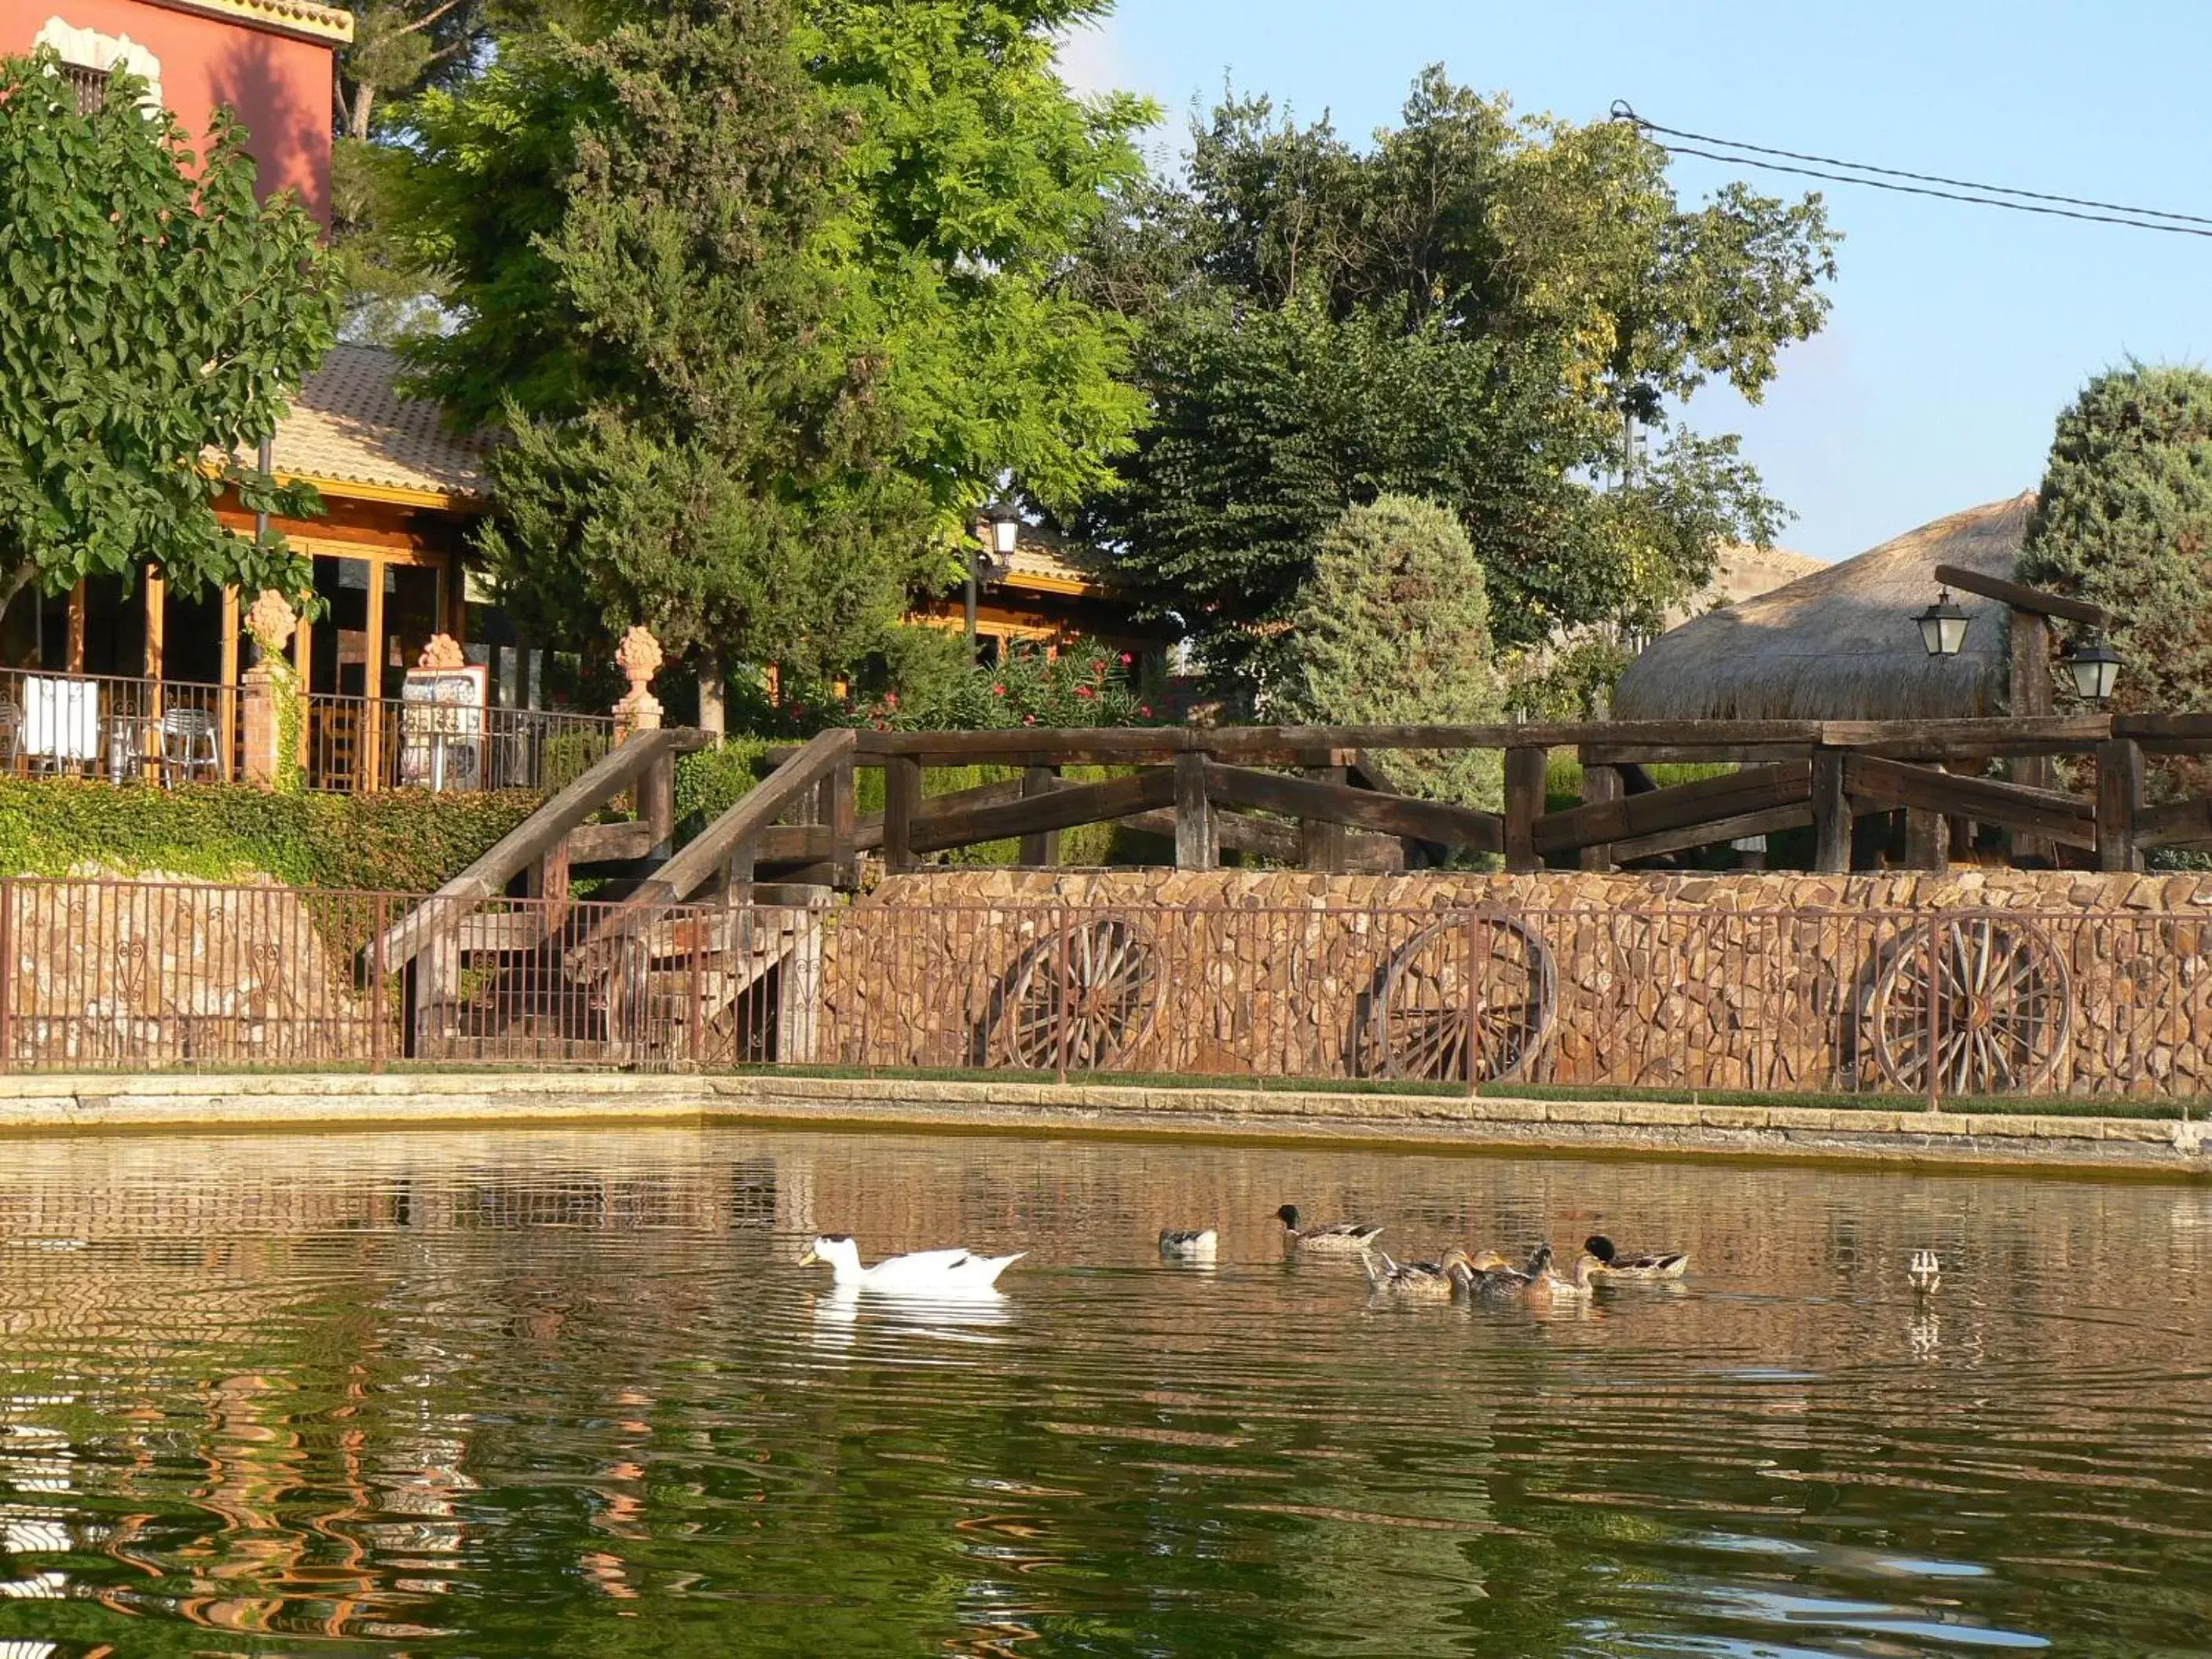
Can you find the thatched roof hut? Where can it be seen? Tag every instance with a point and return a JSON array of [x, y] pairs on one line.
[[1839, 644]]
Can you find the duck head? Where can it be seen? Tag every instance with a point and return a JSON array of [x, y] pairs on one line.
[[1600, 1247], [837, 1249], [1288, 1215]]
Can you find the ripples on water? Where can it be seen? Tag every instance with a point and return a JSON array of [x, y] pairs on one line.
[[568, 1394]]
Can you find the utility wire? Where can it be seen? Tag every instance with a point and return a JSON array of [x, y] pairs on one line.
[[2029, 200]]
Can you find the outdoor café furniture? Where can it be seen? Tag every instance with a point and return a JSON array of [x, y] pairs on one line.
[[11, 734], [127, 735], [188, 748]]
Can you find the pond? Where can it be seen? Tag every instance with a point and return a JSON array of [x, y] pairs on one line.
[[571, 1393]]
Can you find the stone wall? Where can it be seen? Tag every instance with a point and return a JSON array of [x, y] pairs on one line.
[[165, 970], [2046, 982]]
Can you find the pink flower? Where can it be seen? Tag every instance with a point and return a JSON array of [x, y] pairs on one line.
[[1098, 664], [1029, 720], [1126, 660], [891, 699], [998, 690], [1144, 710], [1085, 691]]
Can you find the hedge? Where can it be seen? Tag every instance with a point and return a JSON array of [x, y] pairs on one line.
[[404, 841]]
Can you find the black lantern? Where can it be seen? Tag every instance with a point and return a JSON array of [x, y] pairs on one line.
[[1942, 626], [2094, 667], [1005, 519]]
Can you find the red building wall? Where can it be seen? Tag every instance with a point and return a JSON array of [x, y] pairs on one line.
[[278, 83]]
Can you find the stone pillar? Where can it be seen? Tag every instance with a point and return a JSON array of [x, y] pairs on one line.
[[271, 621]]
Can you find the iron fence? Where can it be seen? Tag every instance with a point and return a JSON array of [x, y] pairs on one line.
[[1937, 1006], [355, 744], [115, 727]]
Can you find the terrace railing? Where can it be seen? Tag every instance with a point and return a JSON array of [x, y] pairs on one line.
[[115, 727], [354, 744]]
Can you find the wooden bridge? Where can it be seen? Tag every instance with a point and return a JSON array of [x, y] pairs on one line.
[[505, 932]]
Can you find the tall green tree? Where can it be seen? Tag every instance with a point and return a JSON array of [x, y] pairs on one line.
[[2125, 520], [876, 325], [1476, 307], [1392, 628], [154, 314]]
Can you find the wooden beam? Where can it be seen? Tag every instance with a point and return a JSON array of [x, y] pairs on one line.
[[1682, 754], [1832, 813], [619, 842], [1884, 785], [1321, 844], [1678, 806], [2175, 823], [532, 838], [2119, 800], [1196, 848], [2020, 597], [1401, 816], [1043, 848], [902, 801], [156, 591], [1970, 739], [706, 852], [2028, 674], [1062, 808], [1772, 821], [1601, 784], [1525, 769]]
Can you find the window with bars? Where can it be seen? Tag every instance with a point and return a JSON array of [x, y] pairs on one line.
[[88, 86]]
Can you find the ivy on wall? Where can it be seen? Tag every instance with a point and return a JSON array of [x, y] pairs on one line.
[[404, 841]]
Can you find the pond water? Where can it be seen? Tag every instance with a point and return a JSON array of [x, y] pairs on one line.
[[571, 1393]]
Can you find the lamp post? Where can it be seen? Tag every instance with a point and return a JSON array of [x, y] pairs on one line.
[[999, 530], [1942, 626]]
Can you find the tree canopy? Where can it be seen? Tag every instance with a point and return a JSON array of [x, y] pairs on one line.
[[154, 318], [2125, 520], [765, 289], [1476, 307]]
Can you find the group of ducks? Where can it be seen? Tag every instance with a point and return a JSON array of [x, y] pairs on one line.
[[958, 1273]]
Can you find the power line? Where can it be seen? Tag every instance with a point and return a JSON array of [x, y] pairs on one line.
[[1963, 190]]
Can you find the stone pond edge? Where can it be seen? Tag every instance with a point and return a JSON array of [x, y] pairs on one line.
[[60, 1103]]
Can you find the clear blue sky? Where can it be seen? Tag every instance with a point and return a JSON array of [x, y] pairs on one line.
[[1958, 332]]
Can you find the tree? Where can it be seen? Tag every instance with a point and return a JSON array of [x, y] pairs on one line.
[[1392, 628], [872, 338], [2125, 519], [153, 314], [1477, 308]]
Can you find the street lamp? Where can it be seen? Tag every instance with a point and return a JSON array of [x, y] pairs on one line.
[[1942, 626], [2094, 667], [1000, 528]]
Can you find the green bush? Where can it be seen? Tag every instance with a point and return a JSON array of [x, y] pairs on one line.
[[404, 841]]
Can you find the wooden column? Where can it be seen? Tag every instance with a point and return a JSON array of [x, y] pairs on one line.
[[302, 656], [1197, 845], [1524, 805], [834, 808], [1927, 840], [1832, 814], [2119, 800], [76, 664], [156, 592], [371, 685], [1039, 851], [227, 699], [656, 804], [1324, 846], [902, 801], [2029, 673], [1600, 783]]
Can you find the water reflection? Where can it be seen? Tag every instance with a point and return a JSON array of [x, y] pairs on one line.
[[492, 1395]]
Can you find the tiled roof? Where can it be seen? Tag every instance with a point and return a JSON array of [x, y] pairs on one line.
[[331, 23], [1043, 558], [348, 425]]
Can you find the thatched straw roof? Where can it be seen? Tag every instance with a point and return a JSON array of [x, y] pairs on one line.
[[1839, 644]]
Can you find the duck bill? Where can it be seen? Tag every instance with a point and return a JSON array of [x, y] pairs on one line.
[[809, 1259]]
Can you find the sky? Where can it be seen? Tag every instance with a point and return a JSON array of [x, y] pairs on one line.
[[1958, 332]]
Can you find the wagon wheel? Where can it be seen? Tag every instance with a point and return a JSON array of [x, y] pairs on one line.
[[1421, 1021], [2002, 1000], [1103, 992]]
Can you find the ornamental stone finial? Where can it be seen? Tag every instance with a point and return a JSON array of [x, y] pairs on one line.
[[271, 622], [442, 651], [639, 658]]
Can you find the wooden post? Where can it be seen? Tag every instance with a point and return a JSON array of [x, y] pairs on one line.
[[656, 804], [1832, 814], [1600, 783], [1325, 846], [1040, 851], [1524, 805], [1927, 840], [227, 699], [2119, 800], [902, 801], [2029, 672], [156, 591], [302, 656], [839, 812], [371, 685], [76, 628], [1197, 847]]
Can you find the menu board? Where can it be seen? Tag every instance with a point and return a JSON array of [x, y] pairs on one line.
[[441, 727]]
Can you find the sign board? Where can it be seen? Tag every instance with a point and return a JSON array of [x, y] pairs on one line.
[[441, 728]]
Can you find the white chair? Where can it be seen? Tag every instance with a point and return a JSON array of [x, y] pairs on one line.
[[61, 722]]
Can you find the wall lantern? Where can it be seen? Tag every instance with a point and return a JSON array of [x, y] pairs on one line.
[[2094, 667], [1942, 626], [1005, 519]]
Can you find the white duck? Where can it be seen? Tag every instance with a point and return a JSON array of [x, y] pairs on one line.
[[941, 1273]]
